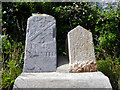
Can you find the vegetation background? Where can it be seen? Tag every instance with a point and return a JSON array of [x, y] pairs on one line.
[[104, 25]]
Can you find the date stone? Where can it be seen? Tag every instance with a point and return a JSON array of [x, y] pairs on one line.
[[40, 48]]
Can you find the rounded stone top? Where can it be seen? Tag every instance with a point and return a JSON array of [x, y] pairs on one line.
[[36, 15]]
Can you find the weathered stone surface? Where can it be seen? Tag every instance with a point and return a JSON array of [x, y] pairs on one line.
[[40, 49], [54, 80], [90, 66], [80, 46]]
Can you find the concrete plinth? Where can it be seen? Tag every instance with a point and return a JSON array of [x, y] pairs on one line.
[[56, 80]]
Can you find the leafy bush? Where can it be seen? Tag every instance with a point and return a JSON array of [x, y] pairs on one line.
[[110, 68], [107, 32], [12, 55], [73, 15]]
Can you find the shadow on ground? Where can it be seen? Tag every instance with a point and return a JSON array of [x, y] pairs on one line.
[[63, 65]]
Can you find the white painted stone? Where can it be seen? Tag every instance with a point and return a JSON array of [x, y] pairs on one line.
[[80, 46], [65, 81], [40, 48]]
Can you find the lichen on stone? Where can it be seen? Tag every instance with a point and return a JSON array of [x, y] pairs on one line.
[[89, 66]]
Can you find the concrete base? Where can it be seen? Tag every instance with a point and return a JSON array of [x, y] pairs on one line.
[[56, 80]]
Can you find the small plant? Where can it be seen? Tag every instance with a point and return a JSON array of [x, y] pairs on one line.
[[111, 68], [12, 54]]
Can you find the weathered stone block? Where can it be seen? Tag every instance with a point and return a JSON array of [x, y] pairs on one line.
[[81, 50], [67, 81], [40, 48]]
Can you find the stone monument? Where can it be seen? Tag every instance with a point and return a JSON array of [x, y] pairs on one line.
[[40, 50], [81, 50], [40, 60]]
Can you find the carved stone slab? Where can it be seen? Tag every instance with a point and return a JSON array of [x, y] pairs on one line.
[[80, 46], [40, 49]]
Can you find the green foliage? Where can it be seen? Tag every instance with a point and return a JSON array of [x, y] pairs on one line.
[[107, 32], [104, 25], [12, 55], [72, 15], [110, 68]]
